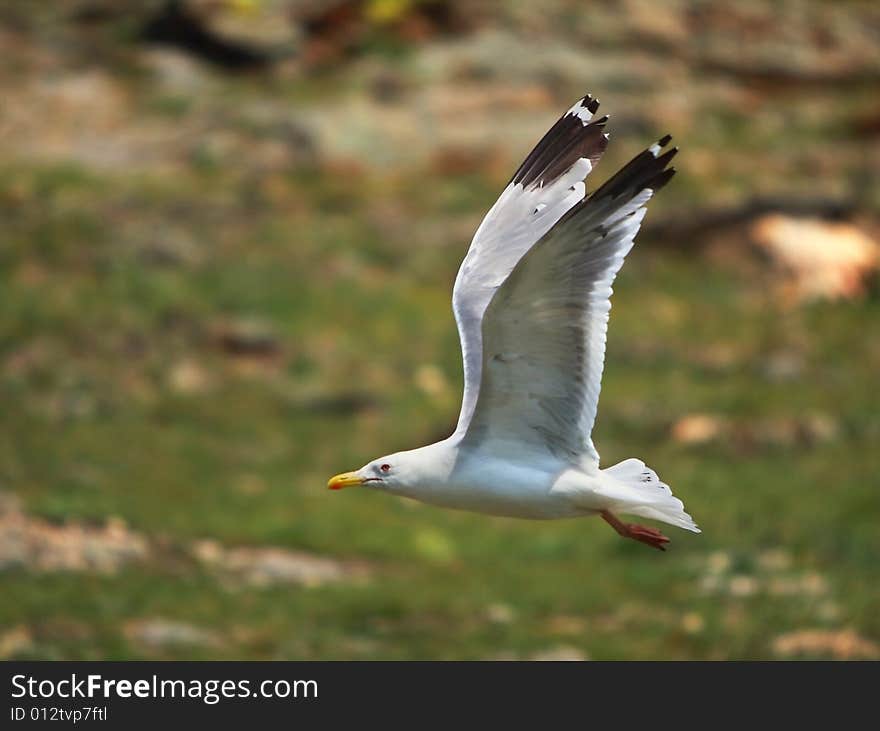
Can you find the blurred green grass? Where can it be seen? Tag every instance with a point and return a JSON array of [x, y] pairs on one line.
[[99, 317], [217, 290]]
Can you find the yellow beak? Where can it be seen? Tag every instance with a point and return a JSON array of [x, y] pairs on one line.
[[346, 479]]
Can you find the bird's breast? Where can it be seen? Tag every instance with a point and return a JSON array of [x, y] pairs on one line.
[[499, 488]]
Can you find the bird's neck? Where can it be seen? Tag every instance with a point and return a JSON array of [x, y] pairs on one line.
[[430, 466]]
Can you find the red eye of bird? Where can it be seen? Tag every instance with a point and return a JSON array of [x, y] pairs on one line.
[[385, 468]]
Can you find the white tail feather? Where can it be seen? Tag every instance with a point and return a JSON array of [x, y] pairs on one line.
[[637, 490]]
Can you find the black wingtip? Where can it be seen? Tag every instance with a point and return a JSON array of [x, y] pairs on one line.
[[646, 170], [661, 179], [667, 156], [571, 138]]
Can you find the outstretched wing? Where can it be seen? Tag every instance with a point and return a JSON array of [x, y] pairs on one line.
[[543, 189], [544, 330]]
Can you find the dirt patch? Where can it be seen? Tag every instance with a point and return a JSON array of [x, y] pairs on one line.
[[38, 545], [774, 575], [157, 634], [267, 566], [843, 644], [15, 641], [821, 259]]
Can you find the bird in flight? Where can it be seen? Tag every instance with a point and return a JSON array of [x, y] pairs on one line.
[[531, 301]]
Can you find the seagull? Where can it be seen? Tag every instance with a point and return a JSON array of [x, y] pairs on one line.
[[531, 301]]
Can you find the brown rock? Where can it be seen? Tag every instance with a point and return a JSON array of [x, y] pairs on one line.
[[697, 429], [843, 644], [821, 259]]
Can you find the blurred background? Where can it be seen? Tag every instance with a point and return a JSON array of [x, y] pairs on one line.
[[228, 235]]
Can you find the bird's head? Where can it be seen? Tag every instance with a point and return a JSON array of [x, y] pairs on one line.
[[384, 473], [403, 472]]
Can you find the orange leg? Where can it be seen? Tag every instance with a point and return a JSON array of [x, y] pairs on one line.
[[641, 533]]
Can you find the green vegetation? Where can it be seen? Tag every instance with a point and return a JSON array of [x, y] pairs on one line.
[[96, 424], [219, 288]]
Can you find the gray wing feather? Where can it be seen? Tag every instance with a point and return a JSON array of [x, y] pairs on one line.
[[544, 331], [548, 184]]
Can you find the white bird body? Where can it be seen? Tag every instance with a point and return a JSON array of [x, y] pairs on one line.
[[531, 301], [481, 481], [531, 485]]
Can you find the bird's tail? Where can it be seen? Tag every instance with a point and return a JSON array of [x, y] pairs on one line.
[[634, 488]]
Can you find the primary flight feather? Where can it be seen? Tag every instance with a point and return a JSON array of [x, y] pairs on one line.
[[531, 301]]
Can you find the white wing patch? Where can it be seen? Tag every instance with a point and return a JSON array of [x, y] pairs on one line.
[[544, 332], [547, 185]]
